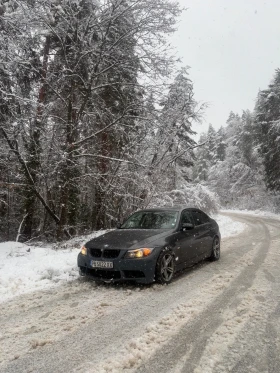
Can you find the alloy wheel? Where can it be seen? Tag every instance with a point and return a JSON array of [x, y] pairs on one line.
[[167, 267], [216, 248]]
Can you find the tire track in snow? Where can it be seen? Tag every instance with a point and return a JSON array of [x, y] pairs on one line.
[[193, 337], [264, 356], [38, 319], [139, 350], [51, 317], [252, 316]]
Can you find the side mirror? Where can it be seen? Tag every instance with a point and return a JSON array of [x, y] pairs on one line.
[[118, 225], [187, 226]]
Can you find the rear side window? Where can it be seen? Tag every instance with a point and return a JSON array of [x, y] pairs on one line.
[[187, 217], [204, 218], [199, 217]]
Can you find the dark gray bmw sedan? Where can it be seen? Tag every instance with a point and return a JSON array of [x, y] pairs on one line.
[[151, 246]]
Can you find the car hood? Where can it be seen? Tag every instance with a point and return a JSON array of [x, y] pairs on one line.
[[128, 238]]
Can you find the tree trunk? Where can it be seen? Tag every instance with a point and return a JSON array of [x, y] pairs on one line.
[[33, 148]]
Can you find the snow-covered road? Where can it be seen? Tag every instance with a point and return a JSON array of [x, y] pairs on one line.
[[216, 317]]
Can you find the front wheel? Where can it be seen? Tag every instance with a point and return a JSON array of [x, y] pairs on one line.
[[216, 249], [165, 267]]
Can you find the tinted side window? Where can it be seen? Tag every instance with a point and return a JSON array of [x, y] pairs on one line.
[[204, 218], [187, 217], [198, 218]]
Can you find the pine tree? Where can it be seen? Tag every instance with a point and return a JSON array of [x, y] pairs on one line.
[[247, 138], [211, 145], [267, 116], [202, 163], [221, 144]]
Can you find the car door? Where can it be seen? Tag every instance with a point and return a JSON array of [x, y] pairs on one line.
[[185, 249], [202, 232]]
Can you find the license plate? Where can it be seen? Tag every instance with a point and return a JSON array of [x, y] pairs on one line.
[[99, 264]]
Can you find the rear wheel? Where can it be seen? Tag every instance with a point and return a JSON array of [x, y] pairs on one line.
[[216, 252], [165, 267]]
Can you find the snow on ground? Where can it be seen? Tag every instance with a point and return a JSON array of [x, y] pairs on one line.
[[229, 227], [265, 214], [164, 325], [26, 268], [228, 319]]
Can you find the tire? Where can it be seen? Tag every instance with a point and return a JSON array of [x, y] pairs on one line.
[[165, 267], [216, 250]]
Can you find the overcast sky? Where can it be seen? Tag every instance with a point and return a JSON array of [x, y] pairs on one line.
[[233, 49]]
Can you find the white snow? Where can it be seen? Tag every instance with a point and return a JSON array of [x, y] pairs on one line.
[[26, 268], [165, 310], [229, 227], [260, 213]]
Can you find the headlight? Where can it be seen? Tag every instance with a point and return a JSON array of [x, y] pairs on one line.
[[84, 250], [139, 253]]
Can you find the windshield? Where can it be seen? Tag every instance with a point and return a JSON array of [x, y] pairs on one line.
[[151, 220]]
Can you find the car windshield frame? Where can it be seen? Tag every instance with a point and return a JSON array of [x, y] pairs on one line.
[[156, 219]]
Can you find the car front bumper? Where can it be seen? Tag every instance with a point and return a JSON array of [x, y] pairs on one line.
[[141, 270]]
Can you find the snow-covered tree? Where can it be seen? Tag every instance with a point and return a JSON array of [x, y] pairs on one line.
[[174, 145], [221, 144], [267, 117], [208, 154], [202, 161], [238, 176], [75, 78]]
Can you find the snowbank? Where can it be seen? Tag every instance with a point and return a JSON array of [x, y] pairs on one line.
[[228, 227], [27, 268]]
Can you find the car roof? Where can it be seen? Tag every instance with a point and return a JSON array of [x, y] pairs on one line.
[[170, 208]]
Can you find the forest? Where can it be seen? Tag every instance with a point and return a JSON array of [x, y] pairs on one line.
[[98, 117]]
